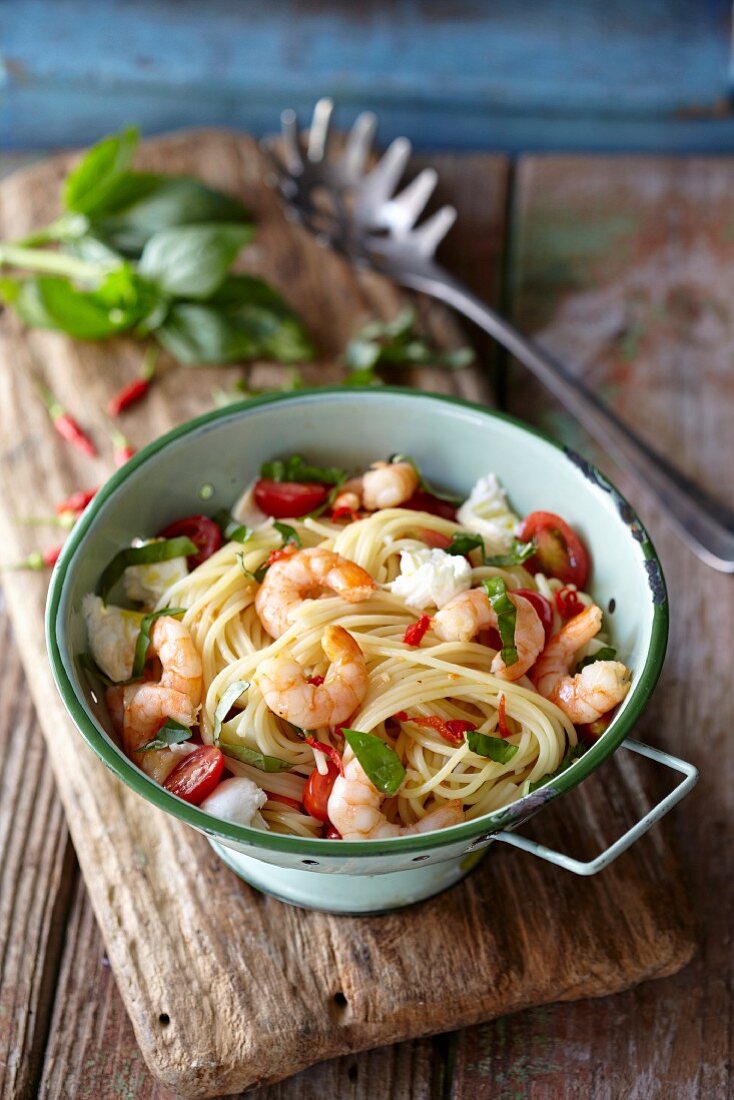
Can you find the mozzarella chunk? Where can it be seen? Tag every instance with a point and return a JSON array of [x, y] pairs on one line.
[[238, 800], [430, 578], [113, 633], [487, 512], [147, 583]]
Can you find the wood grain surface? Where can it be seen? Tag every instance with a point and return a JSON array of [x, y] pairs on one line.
[[548, 936]]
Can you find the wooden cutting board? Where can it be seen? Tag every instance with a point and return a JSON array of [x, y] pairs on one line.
[[227, 988]]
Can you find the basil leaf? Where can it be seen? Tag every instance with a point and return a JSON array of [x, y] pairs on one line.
[[462, 542], [142, 203], [173, 733], [606, 653], [379, 762], [88, 185], [425, 485], [289, 534], [141, 646], [225, 704], [496, 590], [295, 468], [572, 754], [494, 748], [191, 261], [518, 553], [254, 758], [397, 344], [232, 531], [362, 376], [160, 550]]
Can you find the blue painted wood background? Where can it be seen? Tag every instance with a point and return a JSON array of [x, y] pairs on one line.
[[510, 74]]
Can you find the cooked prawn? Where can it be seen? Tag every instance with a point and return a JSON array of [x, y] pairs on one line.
[[288, 693], [139, 710], [354, 808], [291, 580], [591, 692], [388, 484], [462, 618]]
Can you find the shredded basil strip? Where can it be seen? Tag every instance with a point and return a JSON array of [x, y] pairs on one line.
[[380, 763], [141, 646], [425, 485], [496, 589], [462, 542], [241, 559], [494, 748], [519, 553], [572, 755], [172, 733], [254, 758], [160, 550], [330, 498], [225, 704], [289, 534], [606, 653], [295, 468], [231, 530]]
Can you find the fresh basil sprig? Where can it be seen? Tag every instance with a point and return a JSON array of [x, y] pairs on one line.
[[606, 653], [295, 468], [380, 763], [462, 542], [146, 623], [288, 534], [496, 590], [232, 530], [494, 748], [159, 550], [396, 343], [425, 485], [241, 752], [172, 733], [573, 752]]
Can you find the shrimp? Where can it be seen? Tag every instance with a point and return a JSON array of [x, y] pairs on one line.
[[354, 808], [388, 484], [591, 692], [469, 612], [288, 693], [139, 710], [289, 581]]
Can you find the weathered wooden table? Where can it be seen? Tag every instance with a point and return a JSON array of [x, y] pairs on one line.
[[625, 267]]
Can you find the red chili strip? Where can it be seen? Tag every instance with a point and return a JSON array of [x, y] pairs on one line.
[[568, 603], [328, 750], [333, 834], [452, 730], [415, 633], [502, 727], [129, 395], [283, 552], [292, 802], [317, 681], [124, 449], [77, 502], [345, 513]]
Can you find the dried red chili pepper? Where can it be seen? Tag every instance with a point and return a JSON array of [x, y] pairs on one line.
[[123, 449], [568, 603], [328, 750], [37, 561], [452, 730], [77, 502], [415, 633], [65, 424], [136, 390]]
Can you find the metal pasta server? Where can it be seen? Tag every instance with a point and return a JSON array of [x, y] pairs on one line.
[[348, 427], [359, 213]]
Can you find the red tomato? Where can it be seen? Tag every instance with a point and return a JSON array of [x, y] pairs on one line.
[[291, 802], [426, 502], [542, 606], [202, 531], [435, 539], [285, 499], [197, 775], [318, 789], [333, 834], [559, 552]]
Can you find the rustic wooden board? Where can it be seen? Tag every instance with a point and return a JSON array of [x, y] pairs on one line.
[[193, 949], [625, 268]]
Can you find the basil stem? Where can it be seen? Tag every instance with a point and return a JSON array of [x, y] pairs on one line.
[[160, 550], [606, 653], [172, 733], [289, 534], [379, 762], [496, 590], [519, 553], [494, 748], [141, 646]]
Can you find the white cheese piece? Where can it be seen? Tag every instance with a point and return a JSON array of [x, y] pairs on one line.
[[147, 583], [113, 633], [237, 800], [487, 512], [430, 578]]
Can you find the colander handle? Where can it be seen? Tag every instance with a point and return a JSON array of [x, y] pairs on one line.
[[628, 838]]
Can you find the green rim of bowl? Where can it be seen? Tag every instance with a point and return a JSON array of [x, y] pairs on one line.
[[484, 826]]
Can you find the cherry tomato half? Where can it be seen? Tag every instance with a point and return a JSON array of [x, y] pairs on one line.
[[542, 606], [426, 502], [197, 775], [202, 531], [318, 789], [559, 552], [286, 499]]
